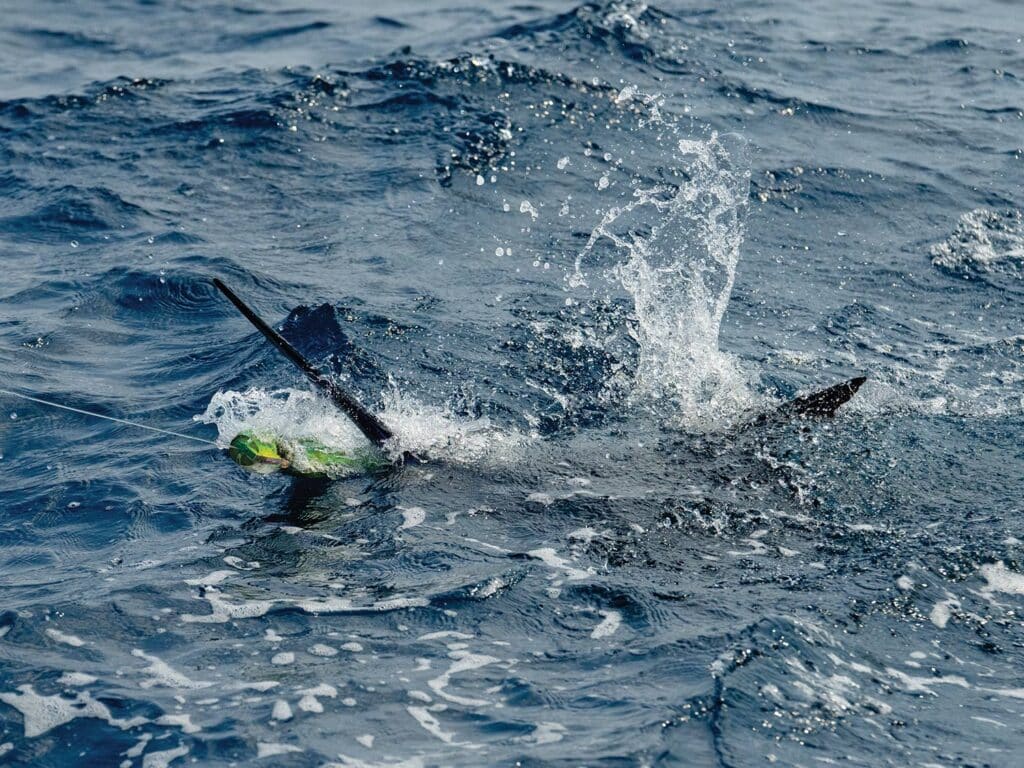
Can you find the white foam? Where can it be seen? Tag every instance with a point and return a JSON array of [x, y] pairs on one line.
[[210, 579], [445, 634], [223, 610], [273, 749], [164, 758], [311, 704], [366, 740], [437, 433], [412, 516], [183, 721], [61, 637], [323, 650], [463, 662], [309, 701], [549, 557], [236, 562], [863, 527], [430, 724], [344, 605], [5, 748], [139, 747], [924, 684], [163, 674], [282, 711], [611, 622], [833, 693], [352, 647], [283, 658], [1002, 579], [982, 238], [942, 610], [76, 679], [44, 713]]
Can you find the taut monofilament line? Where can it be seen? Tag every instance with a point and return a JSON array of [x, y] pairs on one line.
[[95, 415]]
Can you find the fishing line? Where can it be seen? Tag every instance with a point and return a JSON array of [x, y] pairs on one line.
[[108, 418]]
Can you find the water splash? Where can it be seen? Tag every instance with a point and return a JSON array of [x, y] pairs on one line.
[[682, 240], [984, 240], [433, 432], [438, 433], [285, 414]]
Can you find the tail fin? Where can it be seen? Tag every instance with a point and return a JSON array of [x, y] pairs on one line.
[[822, 404], [367, 422]]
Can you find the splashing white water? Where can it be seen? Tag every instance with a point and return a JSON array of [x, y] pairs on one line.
[[435, 432], [985, 240], [683, 243], [286, 414], [427, 431]]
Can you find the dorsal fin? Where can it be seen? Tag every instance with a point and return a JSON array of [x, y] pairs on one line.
[[367, 422], [822, 404]]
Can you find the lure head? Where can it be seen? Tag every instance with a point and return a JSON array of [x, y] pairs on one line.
[[250, 451], [304, 456]]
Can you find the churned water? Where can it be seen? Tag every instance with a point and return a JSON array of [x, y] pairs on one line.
[[567, 252]]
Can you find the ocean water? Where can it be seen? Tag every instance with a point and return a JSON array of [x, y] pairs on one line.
[[568, 252]]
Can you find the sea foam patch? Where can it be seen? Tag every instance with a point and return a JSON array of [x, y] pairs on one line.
[[44, 713], [1002, 579], [224, 610]]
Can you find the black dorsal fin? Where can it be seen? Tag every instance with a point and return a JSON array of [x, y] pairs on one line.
[[367, 422], [822, 404]]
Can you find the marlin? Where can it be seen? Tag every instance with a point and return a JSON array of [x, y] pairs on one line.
[[308, 457], [249, 450]]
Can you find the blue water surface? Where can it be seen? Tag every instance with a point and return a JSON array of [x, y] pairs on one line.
[[569, 252]]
